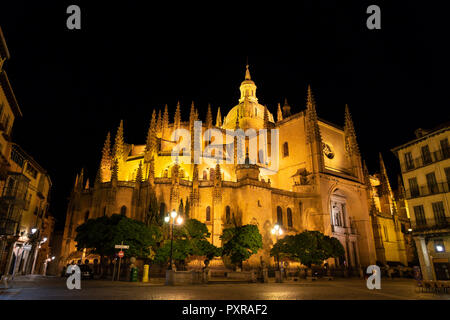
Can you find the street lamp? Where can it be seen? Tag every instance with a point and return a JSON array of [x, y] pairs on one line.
[[277, 231], [175, 220]]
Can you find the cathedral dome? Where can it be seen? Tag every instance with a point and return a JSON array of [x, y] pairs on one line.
[[249, 111]]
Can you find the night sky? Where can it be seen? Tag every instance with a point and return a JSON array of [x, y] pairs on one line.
[[74, 86]]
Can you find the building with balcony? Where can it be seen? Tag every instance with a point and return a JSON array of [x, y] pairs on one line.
[[425, 165], [24, 190], [35, 225]]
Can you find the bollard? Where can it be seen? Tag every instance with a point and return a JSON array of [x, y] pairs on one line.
[[145, 275]]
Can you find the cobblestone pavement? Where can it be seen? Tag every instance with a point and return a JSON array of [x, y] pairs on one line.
[[54, 288]]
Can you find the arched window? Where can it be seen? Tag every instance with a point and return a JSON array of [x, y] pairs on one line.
[[86, 216], [300, 208], [285, 149], [228, 214], [212, 172], [166, 173], [279, 216], [289, 217], [123, 211], [104, 211], [208, 213], [162, 210], [205, 175]]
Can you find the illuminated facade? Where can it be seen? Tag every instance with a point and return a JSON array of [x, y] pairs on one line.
[[319, 183], [390, 220], [425, 165]]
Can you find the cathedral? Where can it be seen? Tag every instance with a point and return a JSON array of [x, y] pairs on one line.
[[320, 182]]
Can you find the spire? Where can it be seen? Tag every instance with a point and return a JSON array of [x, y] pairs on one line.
[[118, 148], [115, 170], [247, 73], [151, 134], [177, 118], [266, 118], [311, 115], [165, 120], [400, 187], [195, 172], [76, 182], [287, 108], [279, 113], [384, 179], [192, 116], [310, 103], [159, 125], [371, 200], [248, 89], [218, 173], [139, 174], [151, 171], [87, 184], [218, 118], [81, 179], [209, 117], [366, 175], [105, 163], [98, 177], [350, 135]]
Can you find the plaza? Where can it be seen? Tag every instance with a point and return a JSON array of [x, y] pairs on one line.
[[54, 288]]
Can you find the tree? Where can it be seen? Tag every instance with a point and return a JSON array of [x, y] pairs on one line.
[[102, 234], [308, 247], [240, 243], [190, 240]]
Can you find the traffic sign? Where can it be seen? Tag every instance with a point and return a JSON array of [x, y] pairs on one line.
[[120, 254], [121, 246]]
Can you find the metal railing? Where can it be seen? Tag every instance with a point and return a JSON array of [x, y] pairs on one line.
[[426, 190], [424, 160], [431, 224]]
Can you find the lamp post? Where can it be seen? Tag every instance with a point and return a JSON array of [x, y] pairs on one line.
[[277, 231], [172, 218]]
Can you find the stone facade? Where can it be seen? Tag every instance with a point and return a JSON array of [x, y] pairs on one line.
[[319, 183], [425, 165]]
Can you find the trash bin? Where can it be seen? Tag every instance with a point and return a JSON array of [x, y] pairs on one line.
[[145, 275], [134, 275]]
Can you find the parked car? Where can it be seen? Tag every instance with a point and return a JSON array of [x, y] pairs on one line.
[[86, 272]]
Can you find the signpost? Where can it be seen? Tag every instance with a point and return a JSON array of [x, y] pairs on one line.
[[120, 255]]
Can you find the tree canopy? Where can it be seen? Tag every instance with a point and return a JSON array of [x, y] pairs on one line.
[[241, 242], [190, 239], [308, 247], [102, 234]]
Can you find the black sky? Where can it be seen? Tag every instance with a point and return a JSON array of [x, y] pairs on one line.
[[75, 86]]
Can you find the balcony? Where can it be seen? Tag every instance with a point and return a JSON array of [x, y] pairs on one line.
[[10, 217], [431, 224], [422, 161], [344, 230], [423, 191]]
